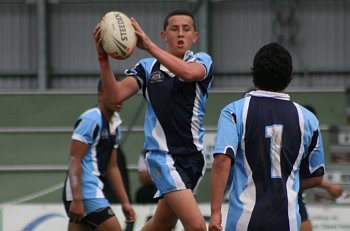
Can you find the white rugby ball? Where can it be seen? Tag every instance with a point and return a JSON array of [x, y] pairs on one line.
[[118, 35]]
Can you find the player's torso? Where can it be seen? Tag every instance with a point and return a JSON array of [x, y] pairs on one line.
[[178, 107], [270, 153]]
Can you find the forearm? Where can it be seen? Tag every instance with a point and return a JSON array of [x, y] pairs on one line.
[[109, 82], [219, 177], [74, 174], [187, 71], [310, 182], [116, 181]]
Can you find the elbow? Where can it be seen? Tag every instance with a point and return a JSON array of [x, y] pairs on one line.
[[114, 99], [311, 182], [318, 181]]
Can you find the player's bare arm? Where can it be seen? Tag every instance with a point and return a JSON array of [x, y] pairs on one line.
[[219, 177], [78, 151], [310, 182], [116, 181], [117, 91]]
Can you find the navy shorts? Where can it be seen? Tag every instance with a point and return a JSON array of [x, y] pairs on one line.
[[92, 218], [175, 172]]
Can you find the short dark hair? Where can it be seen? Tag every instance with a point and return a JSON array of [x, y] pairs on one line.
[[311, 108], [178, 12], [272, 68]]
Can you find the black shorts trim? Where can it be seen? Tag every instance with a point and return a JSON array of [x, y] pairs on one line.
[[94, 219]]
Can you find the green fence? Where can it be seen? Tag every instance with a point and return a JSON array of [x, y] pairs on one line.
[[35, 131]]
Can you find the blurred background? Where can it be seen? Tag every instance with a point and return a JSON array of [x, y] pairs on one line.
[[49, 72]]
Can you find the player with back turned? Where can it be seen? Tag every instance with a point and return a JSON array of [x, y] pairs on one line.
[[269, 141], [175, 84]]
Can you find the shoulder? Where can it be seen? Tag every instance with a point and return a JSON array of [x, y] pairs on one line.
[[92, 114], [147, 61], [308, 115], [234, 105], [201, 57]]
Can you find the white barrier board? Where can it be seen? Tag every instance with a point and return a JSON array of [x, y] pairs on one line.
[[43, 217]]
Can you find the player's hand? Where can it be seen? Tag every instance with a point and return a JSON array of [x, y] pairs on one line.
[[215, 222], [76, 210], [129, 213], [335, 190], [102, 55], [143, 41]]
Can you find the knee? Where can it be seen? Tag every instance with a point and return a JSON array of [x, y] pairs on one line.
[[198, 226], [166, 224]]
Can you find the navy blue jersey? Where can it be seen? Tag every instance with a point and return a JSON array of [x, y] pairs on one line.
[[175, 108], [96, 131], [272, 141]]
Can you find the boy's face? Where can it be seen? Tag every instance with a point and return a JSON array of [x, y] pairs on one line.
[[103, 102], [179, 35]]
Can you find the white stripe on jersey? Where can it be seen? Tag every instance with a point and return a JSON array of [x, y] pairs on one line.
[[292, 195], [158, 134], [95, 171], [248, 197], [195, 125]]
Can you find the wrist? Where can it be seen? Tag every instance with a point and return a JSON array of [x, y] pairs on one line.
[[103, 57], [125, 204]]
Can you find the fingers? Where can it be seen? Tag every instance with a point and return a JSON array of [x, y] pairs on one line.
[[75, 217], [215, 227], [137, 27], [97, 29], [97, 33], [130, 216]]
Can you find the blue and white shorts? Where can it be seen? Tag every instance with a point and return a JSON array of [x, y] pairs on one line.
[[175, 172]]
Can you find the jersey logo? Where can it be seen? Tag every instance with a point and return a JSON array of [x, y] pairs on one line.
[[156, 77]]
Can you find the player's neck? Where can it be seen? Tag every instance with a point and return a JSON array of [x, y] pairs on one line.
[[106, 112]]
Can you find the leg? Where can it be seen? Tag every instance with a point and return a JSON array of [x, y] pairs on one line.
[[163, 219], [186, 209], [179, 204], [78, 227], [306, 225], [112, 224]]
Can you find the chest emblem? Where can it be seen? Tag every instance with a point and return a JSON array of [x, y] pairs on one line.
[[156, 77]]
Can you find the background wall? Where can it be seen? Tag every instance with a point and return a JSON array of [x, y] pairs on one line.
[[48, 44]]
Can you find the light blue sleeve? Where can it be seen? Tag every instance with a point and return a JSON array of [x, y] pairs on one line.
[[84, 131], [206, 61], [316, 159], [141, 70], [313, 144], [227, 136]]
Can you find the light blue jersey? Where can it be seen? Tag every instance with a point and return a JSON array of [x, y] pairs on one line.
[[95, 130], [175, 108], [271, 141]]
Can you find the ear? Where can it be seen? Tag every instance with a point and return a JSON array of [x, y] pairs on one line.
[[163, 36], [195, 36]]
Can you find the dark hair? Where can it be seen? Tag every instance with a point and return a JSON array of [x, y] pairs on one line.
[[272, 68], [178, 12], [311, 108]]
